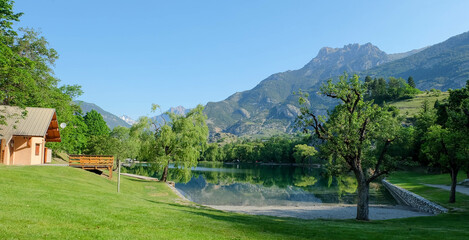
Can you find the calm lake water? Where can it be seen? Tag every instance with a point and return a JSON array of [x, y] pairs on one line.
[[263, 185]]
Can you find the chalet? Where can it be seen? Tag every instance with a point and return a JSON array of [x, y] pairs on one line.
[[24, 138]]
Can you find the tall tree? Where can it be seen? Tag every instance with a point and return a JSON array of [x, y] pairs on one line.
[[96, 124], [74, 136], [122, 143], [447, 142], [7, 17], [356, 135], [26, 75], [411, 82], [180, 141]]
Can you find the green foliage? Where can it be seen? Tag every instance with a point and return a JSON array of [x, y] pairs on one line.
[[96, 124], [443, 65], [7, 17], [446, 143], [212, 153], [180, 141], [395, 89], [74, 136], [357, 134], [121, 143], [26, 75], [411, 82], [304, 153], [424, 120], [410, 108], [277, 149], [112, 120]]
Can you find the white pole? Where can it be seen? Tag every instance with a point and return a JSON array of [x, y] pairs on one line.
[[118, 175]]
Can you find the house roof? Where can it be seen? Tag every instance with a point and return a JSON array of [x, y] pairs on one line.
[[40, 122]]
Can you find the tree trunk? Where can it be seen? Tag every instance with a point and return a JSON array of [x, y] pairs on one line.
[[363, 197], [165, 173], [454, 180]]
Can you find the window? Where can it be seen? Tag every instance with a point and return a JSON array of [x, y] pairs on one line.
[[38, 147]]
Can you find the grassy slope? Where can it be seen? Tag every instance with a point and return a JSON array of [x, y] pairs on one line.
[[410, 107], [65, 203]]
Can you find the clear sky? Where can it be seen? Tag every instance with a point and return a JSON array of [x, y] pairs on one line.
[[127, 55]]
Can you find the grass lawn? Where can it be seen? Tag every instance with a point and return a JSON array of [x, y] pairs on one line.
[[413, 182], [40, 202]]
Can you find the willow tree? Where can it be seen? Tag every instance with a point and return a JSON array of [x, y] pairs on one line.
[[356, 134], [180, 141]]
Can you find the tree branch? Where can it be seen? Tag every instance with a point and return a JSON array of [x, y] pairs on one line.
[[377, 172], [331, 95], [318, 128], [356, 100], [375, 176], [363, 129]]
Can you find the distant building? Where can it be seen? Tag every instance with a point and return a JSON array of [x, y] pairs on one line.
[[23, 139]]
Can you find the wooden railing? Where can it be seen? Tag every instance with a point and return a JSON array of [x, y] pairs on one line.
[[92, 162]]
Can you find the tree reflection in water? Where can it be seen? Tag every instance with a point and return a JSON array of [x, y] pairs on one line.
[[260, 185]]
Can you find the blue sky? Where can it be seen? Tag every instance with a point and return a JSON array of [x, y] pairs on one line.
[[127, 55]]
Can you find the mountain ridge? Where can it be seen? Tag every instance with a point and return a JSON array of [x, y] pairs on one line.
[[112, 120], [271, 107], [271, 98]]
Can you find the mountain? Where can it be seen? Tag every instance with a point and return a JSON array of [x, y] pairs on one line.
[[112, 120], [271, 107], [179, 110], [441, 66], [396, 56], [128, 119]]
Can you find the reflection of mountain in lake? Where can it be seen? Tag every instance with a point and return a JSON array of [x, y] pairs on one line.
[[245, 194]]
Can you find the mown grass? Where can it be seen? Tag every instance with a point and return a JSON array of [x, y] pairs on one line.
[[39, 202], [414, 182]]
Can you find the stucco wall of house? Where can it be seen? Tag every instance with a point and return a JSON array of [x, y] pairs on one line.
[[25, 151], [37, 159], [22, 155]]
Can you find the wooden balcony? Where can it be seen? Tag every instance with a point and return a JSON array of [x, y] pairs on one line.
[[92, 162]]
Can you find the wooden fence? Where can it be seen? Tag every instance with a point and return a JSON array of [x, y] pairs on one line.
[[92, 162]]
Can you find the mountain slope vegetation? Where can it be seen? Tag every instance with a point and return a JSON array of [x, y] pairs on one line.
[[442, 66]]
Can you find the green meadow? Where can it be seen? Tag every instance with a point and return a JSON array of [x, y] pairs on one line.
[[45, 202]]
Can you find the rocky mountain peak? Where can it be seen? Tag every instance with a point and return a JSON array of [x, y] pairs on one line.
[[351, 58], [180, 110], [128, 119]]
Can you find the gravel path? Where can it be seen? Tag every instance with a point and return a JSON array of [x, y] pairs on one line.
[[140, 177], [459, 188], [327, 211]]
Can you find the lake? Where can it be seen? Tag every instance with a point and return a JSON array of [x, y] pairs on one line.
[[266, 185]]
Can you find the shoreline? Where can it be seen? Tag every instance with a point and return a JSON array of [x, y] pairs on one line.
[[319, 211], [324, 211]]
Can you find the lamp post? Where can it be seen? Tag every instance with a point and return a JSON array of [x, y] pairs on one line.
[[118, 175]]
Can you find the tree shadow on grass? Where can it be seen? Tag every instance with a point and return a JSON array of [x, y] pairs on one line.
[[286, 227], [139, 180]]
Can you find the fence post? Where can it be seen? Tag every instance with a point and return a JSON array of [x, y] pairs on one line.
[[118, 175]]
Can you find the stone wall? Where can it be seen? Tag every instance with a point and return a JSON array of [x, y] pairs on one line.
[[413, 200]]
